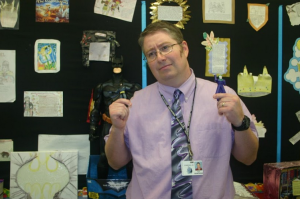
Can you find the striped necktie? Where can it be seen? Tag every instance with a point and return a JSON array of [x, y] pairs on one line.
[[181, 185]]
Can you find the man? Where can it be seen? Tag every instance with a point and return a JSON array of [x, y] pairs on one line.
[[141, 128], [198, 168]]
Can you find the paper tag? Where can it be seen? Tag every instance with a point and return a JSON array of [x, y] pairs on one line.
[[190, 168]]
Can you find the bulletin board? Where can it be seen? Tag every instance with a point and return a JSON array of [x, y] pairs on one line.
[[249, 47]]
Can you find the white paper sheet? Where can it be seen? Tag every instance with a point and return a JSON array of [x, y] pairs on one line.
[[46, 174], [6, 147], [218, 10], [123, 10], [99, 51], [68, 143], [7, 75], [43, 104], [169, 13]]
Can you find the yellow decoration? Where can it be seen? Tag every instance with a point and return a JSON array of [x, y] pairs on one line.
[[298, 44], [254, 86], [185, 14]]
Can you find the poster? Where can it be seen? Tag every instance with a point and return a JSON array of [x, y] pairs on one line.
[[120, 9], [55, 11], [43, 104], [7, 75], [37, 175]]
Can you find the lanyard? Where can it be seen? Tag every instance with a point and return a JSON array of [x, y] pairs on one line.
[[186, 130]]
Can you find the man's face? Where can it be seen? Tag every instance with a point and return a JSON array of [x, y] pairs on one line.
[[5, 67], [171, 69], [198, 166]]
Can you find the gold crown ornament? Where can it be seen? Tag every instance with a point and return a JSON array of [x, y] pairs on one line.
[[254, 86]]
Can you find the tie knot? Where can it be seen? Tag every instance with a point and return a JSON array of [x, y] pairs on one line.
[[177, 94]]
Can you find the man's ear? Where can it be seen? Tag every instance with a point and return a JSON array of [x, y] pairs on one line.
[[185, 48]]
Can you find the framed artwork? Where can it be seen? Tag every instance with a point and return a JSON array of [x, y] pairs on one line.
[[216, 11], [258, 15], [47, 56], [39, 175], [218, 59], [170, 13]]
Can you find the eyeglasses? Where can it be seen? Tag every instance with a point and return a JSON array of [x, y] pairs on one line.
[[164, 50]]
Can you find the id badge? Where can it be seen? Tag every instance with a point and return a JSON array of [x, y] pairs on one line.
[[191, 168]]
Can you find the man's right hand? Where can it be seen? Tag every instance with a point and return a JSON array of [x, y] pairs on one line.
[[119, 112]]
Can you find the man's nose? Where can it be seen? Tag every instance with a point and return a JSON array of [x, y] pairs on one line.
[[159, 55]]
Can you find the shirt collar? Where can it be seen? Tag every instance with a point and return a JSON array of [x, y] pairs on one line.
[[186, 88]]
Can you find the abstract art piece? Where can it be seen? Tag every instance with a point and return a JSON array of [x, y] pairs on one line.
[[48, 175]]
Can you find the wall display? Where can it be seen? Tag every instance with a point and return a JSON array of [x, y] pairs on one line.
[[261, 130], [6, 147], [210, 40], [80, 143], [9, 14], [170, 13], [98, 45], [218, 11], [293, 12], [119, 9], [296, 137], [7, 75], [37, 175], [56, 11], [47, 56], [254, 86], [258, 15], [43, 104], [292, 75], [218, 59]]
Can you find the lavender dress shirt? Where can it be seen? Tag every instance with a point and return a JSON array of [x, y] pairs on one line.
[[148, 138]]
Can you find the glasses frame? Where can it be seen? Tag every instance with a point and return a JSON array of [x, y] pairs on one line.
[[145, 58]]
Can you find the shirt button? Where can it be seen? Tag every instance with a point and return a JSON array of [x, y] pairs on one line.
[[186, 98], [169, 100]]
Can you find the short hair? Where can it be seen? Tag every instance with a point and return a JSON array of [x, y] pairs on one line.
[[5, 63], [161, 26]]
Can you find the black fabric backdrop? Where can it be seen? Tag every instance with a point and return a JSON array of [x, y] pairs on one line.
[[248, 47]]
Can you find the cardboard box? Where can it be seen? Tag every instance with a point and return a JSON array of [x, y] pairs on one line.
[[279, 179], [114, 187]]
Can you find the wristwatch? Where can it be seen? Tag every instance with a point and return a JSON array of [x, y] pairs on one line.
[[244, 126]]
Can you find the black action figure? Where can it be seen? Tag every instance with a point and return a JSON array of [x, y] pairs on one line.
[[103, 95]]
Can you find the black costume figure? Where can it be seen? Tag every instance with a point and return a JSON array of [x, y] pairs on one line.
[[105, 94]]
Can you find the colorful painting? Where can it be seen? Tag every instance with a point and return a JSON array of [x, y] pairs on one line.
[[55, 11], [37, 175], [119, 9], [47, 56]]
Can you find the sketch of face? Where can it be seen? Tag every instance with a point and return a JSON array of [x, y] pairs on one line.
[[5, 66], [27, 99]]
